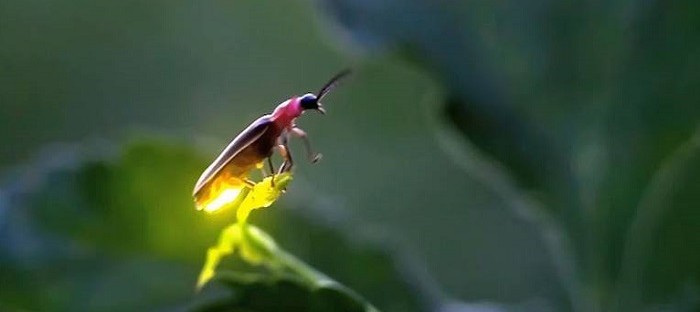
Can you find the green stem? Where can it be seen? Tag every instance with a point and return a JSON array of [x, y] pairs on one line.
[[278, 258], [303, 270], [281, 261]]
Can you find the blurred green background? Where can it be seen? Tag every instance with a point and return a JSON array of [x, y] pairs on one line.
[[485, 156]]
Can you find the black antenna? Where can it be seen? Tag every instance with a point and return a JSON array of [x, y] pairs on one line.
[[332, 83]]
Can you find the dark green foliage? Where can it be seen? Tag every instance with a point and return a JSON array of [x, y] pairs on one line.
[[587, 105], [93, 70], [535, 152], [120, 233], [262, 293]]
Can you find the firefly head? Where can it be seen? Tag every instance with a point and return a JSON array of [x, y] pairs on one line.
[[294, 107], [310, 101]]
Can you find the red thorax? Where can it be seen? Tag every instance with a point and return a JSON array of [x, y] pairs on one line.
[[283, 116]]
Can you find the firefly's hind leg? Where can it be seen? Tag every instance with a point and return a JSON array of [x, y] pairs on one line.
[[284, 152], [286, 165], [271, 173], [313, 157], [263, 171], [270, 165], [249, 183], [288, 161], [283, 146]]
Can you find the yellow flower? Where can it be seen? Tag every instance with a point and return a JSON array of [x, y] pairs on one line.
[[254, 244], [262, 195]]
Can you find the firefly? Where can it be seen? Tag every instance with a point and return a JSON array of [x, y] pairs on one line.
[[227, 175]]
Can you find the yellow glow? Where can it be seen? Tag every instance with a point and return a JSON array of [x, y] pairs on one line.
[[227, 196], [228, 241], [222, 192], [263, 194], [253, 244]]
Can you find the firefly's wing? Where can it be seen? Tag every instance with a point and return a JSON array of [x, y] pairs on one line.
[[243, 140]]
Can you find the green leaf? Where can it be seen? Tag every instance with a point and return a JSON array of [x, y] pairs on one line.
[[583, 104], [262, 293], [82, 231], [369, 268], [115, 233], [665, 227]]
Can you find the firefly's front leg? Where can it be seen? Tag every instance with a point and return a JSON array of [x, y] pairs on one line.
[[313, 157]]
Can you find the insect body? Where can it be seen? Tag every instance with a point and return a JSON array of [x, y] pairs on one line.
[[221, 182]]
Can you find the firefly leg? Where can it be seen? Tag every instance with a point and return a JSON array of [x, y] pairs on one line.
[[313, 157], [270, 165], [288, 162], [264, 172], [249, 183], [283, 147], [272, 171]]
